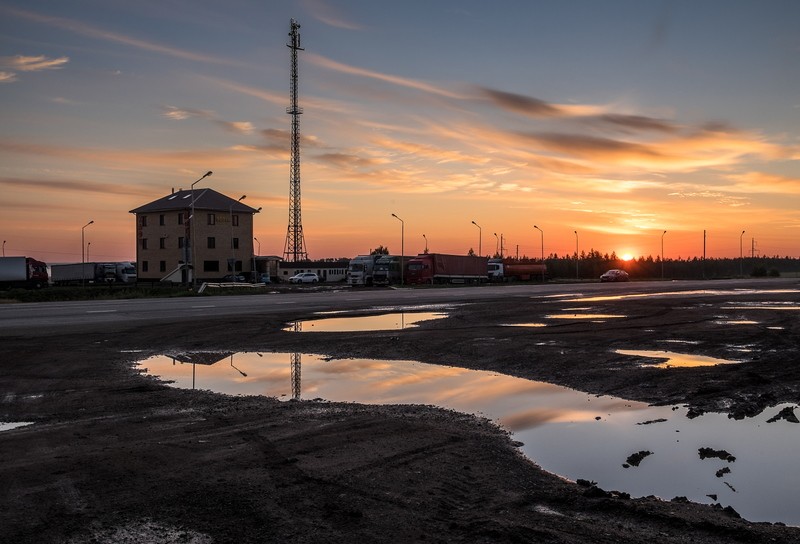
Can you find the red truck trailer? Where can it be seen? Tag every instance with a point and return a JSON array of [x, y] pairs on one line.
[[440, 268]]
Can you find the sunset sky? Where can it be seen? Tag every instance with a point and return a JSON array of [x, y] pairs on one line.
[[615, 119]]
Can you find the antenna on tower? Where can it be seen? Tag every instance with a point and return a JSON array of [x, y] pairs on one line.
[[294, 250]]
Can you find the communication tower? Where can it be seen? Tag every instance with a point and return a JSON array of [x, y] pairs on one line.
[[295, 249]]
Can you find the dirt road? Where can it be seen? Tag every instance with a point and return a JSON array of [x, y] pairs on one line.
[[114, 456]]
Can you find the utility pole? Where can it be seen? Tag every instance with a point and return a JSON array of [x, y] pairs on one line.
[[294, 249], [704, 254]]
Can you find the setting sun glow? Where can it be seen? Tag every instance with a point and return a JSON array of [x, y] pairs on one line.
[[627, 256]]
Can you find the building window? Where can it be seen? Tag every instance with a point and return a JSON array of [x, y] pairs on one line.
[[235, 243], [180, 218], [235, 220], [212, 219], [161, 219], [210, 266], [162, 243], [180, 242], [144, 243], [162, 265], [212, 242], [143, 221], [144, 266]]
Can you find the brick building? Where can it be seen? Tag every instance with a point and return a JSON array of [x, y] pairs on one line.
[[222, 237]]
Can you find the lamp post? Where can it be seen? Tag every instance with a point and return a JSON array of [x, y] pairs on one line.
[[191, 226], [233, 248], [402, 247], [541, 233], [87, 250], [577, 257], [83, 254], [4, 248], [662, 254], [480, 235], [255, 271], [741, 255], [496, 244], [426, 243]]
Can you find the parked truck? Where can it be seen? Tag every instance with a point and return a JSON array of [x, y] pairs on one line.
[[388, 270], [515, 270], [93, 273], [22, 272], [361, 269], [441, 268]]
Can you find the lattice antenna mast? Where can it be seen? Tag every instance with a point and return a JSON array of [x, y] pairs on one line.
[[295, 249]]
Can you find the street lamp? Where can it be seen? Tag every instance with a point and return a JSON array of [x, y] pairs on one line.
[[741, 255], [496, 244], [87, 250], [4, 248], [233, 248], [541, 232], [402, 247], [480, 235], [191, 226], [662, 254], [83, 254], [577, 258], [255, 271], [426, 243]]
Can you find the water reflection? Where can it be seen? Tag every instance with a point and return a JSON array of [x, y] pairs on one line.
[[712, 292], [672, 359], [384, 322], [583, 316], [8, 425], [566, 432]]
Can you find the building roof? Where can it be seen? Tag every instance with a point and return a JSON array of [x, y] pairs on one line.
[[204, 199]]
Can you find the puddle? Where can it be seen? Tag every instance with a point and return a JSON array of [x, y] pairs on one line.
[[384, 322], [691, 342], [566, 432], [699, 292], [583, 316], [736, 322], [674, 360], [766, 306], [7, 426], [523, 324]]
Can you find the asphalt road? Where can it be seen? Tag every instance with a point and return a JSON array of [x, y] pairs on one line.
[[41, 318]]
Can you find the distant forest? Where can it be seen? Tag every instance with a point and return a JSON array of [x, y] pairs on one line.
[[592, 264]]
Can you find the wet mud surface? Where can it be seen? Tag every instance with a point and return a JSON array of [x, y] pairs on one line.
[[115, 456]]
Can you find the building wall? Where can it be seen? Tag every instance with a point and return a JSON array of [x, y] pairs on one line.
[[162, 260]]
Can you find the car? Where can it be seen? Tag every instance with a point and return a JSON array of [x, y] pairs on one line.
[[304, 277], [233, 278], [615, 275]]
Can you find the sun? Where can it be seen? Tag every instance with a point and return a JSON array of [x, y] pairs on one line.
[[627, 256]]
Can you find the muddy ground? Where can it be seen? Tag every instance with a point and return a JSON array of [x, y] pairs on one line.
[[115, 456]]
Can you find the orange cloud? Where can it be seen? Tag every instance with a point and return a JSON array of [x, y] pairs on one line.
[[33, 64], [759, 182]]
